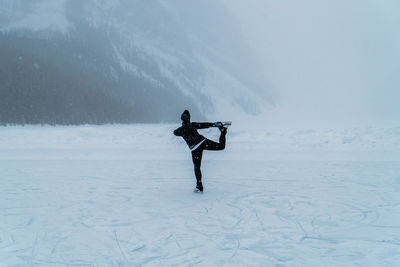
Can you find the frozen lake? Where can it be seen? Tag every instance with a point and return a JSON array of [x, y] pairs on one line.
[[122, 196]]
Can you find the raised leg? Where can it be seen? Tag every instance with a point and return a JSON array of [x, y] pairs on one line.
[[211, 145]]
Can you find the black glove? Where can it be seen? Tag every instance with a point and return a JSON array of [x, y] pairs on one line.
[[218, 124]]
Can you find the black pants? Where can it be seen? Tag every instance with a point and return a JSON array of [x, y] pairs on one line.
[[198, 153]]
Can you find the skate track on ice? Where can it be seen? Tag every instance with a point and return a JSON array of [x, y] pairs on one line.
[[122, 196]]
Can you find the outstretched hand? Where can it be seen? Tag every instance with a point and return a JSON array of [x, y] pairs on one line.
[[218, 124]]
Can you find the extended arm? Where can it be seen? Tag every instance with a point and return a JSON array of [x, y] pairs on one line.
[[178, 132], [202, 125]]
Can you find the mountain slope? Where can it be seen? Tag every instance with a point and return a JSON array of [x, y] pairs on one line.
[[123, 61]]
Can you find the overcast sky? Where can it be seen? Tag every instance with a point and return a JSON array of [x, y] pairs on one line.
[[329, 60]]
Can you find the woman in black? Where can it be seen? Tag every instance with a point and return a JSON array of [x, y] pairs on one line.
[[197, 143]]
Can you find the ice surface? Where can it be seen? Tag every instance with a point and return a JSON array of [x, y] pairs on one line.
[[122, 196]]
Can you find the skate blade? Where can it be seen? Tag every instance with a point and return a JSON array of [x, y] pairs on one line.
[[197, 191]]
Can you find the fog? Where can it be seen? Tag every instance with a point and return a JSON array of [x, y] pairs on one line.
[[302, 63], [331, 61]]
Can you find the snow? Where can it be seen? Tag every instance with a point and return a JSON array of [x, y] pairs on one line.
[[120, 195], [46, 14]]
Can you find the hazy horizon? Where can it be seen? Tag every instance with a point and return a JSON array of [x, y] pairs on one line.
[[335, 61]]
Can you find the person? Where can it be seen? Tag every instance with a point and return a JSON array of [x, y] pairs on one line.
[[198, 143]]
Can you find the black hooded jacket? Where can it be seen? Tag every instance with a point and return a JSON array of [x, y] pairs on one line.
[[188, 131]]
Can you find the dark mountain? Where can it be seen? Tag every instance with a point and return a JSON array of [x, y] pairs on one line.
[[74, 62]]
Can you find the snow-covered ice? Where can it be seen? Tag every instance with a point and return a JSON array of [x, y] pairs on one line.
[[122, 196]]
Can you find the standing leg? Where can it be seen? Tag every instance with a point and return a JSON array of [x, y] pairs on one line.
[[196, 157]]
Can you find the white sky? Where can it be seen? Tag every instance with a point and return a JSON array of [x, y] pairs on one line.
[[329, 60]]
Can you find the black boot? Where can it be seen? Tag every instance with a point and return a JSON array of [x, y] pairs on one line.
[[219, 124], [199, 187], [222, 126]]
